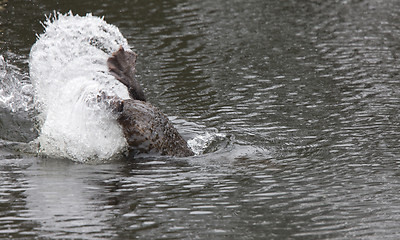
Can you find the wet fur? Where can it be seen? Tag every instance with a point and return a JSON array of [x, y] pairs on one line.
[[146, 128], [122, 66]]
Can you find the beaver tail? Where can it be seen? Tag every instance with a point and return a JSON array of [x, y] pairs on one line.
[[122, 66]]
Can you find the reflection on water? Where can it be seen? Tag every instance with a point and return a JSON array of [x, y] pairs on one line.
[[305, 94]]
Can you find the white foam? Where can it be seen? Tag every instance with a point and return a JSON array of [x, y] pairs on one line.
[[15, 92], [201, 142], [68, 70]]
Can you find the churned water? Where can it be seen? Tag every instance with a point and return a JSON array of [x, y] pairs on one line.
[[292, 107], [68, 70]]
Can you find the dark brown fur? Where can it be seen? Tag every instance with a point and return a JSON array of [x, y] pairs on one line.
[[146, 128], [122, 67]]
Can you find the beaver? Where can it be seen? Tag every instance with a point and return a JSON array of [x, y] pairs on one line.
[[145, 127]]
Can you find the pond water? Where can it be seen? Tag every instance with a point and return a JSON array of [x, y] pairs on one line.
[[301, 100]]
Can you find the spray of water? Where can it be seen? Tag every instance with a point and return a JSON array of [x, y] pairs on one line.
[[15, 88], [68, 71]]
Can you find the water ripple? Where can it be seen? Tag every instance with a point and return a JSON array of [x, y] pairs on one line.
[[305, 97]]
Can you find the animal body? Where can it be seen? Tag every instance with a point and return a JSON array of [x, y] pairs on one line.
[[90, 106], [145, 127]]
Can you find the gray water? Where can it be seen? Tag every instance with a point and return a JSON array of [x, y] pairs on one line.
[[305, 94]]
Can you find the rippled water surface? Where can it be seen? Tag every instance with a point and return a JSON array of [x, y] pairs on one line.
[[301, 99]]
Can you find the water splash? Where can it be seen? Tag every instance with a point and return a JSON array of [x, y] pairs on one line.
[[208, 142], [68, 71], [202, 139], [15, 88]]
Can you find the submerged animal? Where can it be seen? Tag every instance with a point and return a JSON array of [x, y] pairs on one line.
[[145, 127], [91, 107]]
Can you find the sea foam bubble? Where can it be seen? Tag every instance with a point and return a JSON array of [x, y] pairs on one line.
[[68, 70]]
